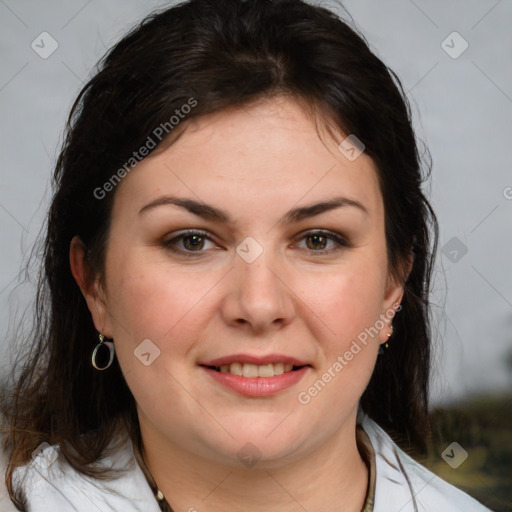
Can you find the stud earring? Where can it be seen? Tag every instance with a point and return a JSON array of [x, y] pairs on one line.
[[381, 348], [389, 333]]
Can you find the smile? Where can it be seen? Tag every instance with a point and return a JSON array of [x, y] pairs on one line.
[[256, 375], [252, 370]]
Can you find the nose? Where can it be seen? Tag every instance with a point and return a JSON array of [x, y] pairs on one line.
[[259, 296]]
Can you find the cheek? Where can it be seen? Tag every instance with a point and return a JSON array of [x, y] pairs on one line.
[[349, 346], [152, 297], [150, 300], [347, 301]]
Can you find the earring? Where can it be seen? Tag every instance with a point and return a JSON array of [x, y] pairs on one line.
[[389, 333], [381, 348], [111, 351]]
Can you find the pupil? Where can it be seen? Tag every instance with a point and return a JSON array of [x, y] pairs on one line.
[[317, 239]]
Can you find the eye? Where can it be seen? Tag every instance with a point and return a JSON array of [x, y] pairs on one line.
[[321, 242], [318, 242], [188, 242]]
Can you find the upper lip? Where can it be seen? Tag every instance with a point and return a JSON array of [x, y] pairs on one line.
[[257, 360]]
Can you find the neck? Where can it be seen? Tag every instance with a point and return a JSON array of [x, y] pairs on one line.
[[333, 478]]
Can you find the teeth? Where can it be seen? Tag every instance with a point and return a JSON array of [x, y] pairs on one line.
[[250, 370], [234, 368], [266, 370], [279, 368], [253, 370]]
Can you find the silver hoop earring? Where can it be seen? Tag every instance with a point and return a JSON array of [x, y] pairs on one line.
[[102, 343]]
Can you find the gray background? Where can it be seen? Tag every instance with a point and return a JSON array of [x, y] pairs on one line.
[[462, 108]]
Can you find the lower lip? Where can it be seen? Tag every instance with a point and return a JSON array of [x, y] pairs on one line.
[[258, 386]]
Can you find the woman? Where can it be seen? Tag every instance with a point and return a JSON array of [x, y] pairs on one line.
[[233, 312]]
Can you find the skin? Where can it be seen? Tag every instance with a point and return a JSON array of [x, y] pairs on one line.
[[296, 298]]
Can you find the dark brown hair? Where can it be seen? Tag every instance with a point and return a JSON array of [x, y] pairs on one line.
[[223, 54]]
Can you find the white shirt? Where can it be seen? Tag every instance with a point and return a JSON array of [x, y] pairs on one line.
[[52, 485]]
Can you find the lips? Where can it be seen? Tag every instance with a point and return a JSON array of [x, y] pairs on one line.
[[256, 376]]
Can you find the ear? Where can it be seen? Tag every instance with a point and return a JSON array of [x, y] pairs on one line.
[[90, 287], [395, 289]]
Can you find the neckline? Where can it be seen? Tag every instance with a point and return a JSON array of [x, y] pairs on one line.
[[364, 446]]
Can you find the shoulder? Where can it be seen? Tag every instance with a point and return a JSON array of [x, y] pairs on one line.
[[404, 484], [50, 483]]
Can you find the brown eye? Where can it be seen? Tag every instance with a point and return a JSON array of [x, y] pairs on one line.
[[188, 243], [193, 242], [323, 242], [316, 242]]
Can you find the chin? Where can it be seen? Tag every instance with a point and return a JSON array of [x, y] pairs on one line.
[[275, 438]]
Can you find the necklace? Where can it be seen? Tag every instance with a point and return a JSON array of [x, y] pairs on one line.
[[363, 442], [159, 495], [162, 502]]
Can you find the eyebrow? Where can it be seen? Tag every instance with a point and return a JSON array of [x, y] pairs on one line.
[[212, 213]]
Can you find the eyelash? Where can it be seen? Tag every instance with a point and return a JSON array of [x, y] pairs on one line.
[[338, 239]]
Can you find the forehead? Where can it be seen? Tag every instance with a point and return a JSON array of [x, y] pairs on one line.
[[268, 155]]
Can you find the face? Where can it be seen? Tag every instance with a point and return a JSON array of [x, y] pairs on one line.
[[218, 256]]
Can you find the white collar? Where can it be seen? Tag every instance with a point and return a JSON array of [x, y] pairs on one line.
[[402, 485], [60, 488]]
